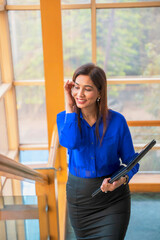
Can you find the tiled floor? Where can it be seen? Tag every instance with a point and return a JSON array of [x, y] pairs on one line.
[[145, 218]]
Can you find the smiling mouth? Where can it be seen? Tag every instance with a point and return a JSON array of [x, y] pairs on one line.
[[81, 100]]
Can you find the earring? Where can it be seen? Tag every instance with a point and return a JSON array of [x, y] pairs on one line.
[[98, 99]]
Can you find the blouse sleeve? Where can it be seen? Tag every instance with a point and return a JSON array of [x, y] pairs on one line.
[[126, 149], [68, 130]]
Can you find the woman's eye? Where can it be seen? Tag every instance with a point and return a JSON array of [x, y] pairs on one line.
[[88, 89], [75, 87]]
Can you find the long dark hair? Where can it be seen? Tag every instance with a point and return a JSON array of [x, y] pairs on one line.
[[98, 77]]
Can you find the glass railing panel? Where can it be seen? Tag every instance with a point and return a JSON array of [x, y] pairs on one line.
[[19, 217]]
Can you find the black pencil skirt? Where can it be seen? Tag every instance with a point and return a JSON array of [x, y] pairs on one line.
[[103, 217]]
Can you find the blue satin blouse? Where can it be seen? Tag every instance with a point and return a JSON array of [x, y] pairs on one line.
[[87, 157]]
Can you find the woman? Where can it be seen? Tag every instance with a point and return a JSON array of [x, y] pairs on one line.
[[98, 142]]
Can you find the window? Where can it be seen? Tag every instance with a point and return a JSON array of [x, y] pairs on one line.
[[128, 42], [23, 2], [26, 41], [31, 107], [122, 37], [77, 48], [75, 1]]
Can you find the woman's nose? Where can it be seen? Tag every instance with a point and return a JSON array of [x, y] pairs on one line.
[[80, 92]]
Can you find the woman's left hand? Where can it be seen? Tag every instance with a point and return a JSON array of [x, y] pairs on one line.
[[106, 186]]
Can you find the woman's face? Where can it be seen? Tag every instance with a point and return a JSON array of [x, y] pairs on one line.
[[85, 92]]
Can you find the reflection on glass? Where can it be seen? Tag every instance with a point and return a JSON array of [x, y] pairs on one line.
[[75, 1], [76, 25], [128, 41], [31, 114], [135, 101], [26, 41], [22, 2], [3, 129]]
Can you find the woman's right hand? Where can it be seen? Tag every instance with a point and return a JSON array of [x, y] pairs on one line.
[[106, 186], [70, 102]]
